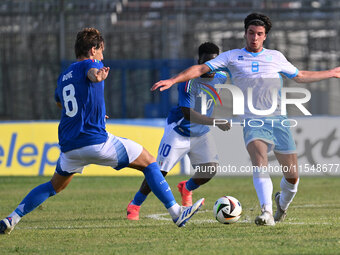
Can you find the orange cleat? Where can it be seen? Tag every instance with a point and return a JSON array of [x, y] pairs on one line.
[[186, 194], [132, 211]]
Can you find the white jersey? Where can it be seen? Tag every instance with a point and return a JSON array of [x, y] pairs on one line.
[[260, 71]]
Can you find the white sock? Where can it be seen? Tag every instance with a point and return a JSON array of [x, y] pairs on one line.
[[264, 188], [15, 217], [288, 193], [174, 211]]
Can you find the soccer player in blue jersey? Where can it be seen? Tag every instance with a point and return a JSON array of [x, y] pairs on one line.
[[261, 69], [187, 132], [83, 139]]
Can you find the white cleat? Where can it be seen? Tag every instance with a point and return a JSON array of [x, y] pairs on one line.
[[6, 226], [265, 219], [188, 212], [280, 214]]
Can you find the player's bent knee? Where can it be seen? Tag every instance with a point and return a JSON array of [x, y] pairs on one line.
[[143, 160], [149, 159], [292, 180]]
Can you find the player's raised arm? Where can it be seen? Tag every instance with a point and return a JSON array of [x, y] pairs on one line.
[[188, 74], [312, 76], [98, 75]]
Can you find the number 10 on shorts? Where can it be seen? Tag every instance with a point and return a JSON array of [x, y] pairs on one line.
[[165, 149]]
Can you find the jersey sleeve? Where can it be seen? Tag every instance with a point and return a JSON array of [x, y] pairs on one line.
[[287, 69], [222, 76], [220, 63], [186, 96]]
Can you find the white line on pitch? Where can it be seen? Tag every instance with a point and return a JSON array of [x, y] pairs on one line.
[[161, 217]]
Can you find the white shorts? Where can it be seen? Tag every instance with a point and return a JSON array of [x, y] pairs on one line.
[[174, 147], [116, 152]]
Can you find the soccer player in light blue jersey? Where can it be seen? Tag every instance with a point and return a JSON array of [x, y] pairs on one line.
[[187, 132], [261, 69], [84, 140]]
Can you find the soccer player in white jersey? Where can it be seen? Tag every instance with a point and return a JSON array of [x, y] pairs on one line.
[[187, 132], [83, 139], [261, 69]]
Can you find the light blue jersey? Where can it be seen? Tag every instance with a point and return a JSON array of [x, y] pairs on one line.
[[260, 71], [190, 96], [83, 114]]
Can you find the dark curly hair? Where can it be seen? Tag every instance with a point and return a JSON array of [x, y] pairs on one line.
[[208, 48], [86, 39], [258, 19]]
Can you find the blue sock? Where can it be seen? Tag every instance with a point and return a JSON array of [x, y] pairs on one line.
[[139, 198], [158, 185], [191, 185], [36, 197]]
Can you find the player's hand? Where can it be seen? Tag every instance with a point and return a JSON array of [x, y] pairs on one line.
[[223, 126], [336, 72], [102, 73], [163, 85]]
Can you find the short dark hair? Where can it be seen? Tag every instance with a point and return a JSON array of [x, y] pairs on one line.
[[86, 39], [258, 19], [208, 48]]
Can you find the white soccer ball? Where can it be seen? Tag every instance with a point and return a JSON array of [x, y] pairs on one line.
[[227, 210]]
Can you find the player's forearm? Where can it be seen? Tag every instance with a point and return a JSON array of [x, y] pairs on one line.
[[198, 118], [92, 75], [97, 75], [190, 73], [313, 76]]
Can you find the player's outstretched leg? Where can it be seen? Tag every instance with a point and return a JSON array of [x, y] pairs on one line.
[[133, 208], [33, 199], [36, 197], [161, 189], [159, 186]]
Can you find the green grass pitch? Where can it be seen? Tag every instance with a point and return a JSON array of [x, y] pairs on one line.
[[89, 218]]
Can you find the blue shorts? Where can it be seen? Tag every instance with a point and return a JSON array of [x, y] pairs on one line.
[[270, 130]]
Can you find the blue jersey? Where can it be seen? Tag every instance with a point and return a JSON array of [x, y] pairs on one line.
[[83, 114], [190, 96]]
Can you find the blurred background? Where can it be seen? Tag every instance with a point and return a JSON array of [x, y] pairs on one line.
[[150, 40]]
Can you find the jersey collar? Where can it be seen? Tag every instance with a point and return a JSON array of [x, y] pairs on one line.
[[253, 53]]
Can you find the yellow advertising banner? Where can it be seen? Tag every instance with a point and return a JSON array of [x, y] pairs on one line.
[[31, 148]]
